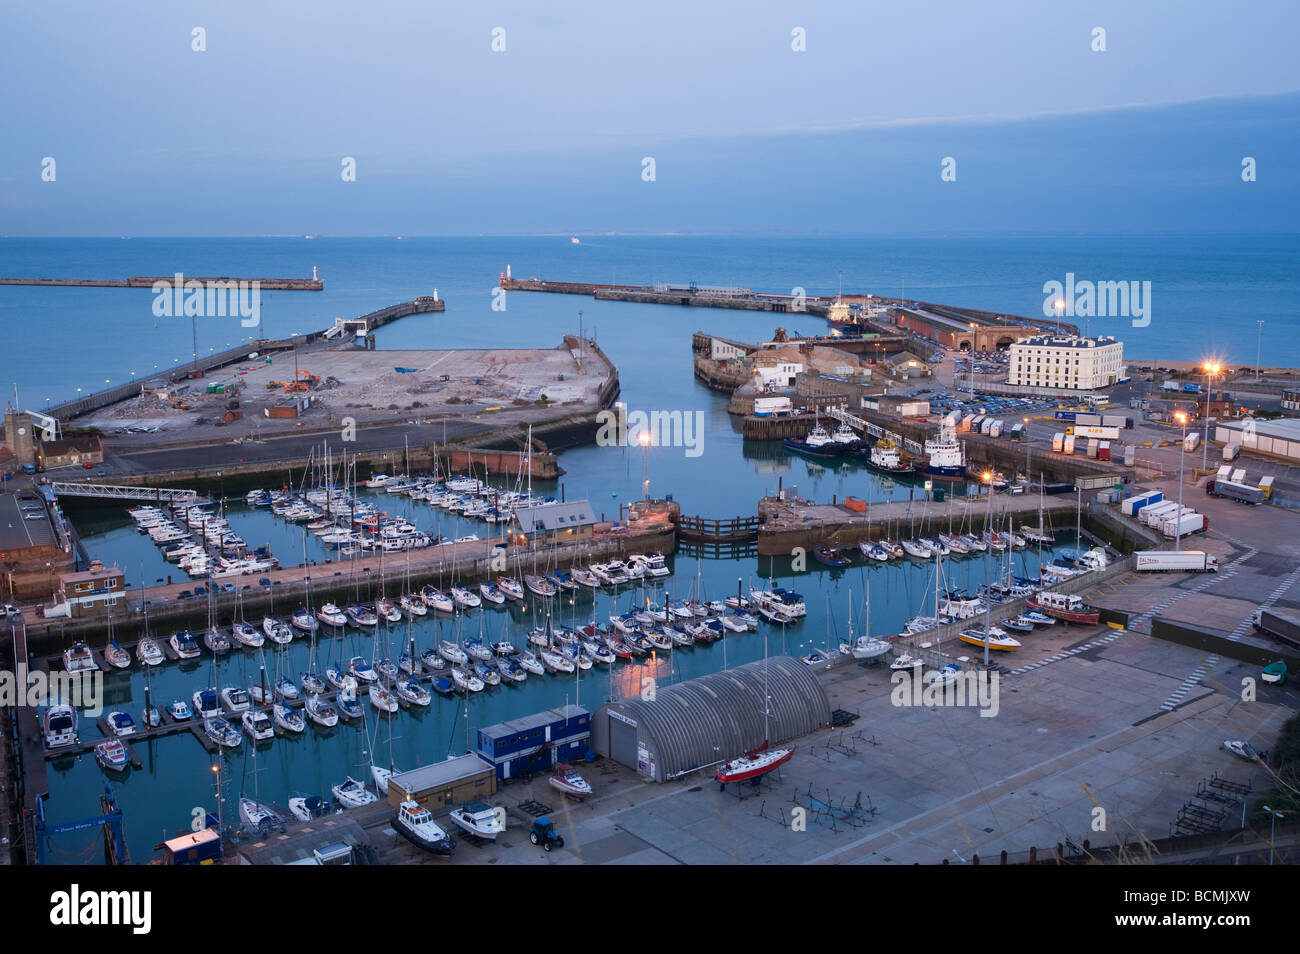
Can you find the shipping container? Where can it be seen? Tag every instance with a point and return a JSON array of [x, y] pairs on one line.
[[1230, 451], [1154, 513], [1182, 526], [1130, 455], [1058, 441], [1103, 450], [1280, 624], [1135, 503], [996, 429], [1087, 420], [1191, 442], [1018, 431], [1092, 448], [1170, 386], [986, 425], [1069, 444], [1116, 420]]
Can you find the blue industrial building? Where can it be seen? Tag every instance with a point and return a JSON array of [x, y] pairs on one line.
[[536, 743]]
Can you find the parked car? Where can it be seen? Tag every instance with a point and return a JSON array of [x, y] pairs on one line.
[[264, 581], [184, 595], [200, 590], [228, 587]]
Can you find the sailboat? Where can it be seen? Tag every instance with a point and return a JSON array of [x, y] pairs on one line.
[[756, 762], [865, 646]]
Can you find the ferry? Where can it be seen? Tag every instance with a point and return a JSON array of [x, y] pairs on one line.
[[947, 457]]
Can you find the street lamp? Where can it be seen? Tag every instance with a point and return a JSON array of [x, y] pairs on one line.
[[1259, 343], [1181, 418], [1273, 816], [644, 438], [1211, 369]]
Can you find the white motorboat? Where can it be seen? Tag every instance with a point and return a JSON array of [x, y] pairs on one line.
[[236, 699], [258, 725], [567, 780], [180, 711], [1243, 750], [353, 794], [60, 726], [415, 823], [185, 645], [479, 820], [331, 615], [79, 658]]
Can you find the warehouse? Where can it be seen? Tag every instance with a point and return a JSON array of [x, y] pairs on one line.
[[710, 719], [1281, 438]]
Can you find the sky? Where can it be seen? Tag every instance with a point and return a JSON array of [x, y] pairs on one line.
[[760, 117]]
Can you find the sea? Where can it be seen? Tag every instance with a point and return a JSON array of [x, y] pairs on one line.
[[1208, 295]]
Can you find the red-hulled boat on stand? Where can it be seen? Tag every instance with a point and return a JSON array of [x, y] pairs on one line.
[[1064, 606], [753, 764]]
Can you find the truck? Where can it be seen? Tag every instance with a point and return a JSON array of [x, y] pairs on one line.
[[1096, 431], [1230, 452], [1170, 386], [1182, 525], [1058, 441], [1191, 387], [1065, 416], [1018, 431], [29, 468], [1280, 624], [1153, 514], [1191, 442], [1132, 505], [1116, 420], [1234, 491], [986, 426], [1170, 561], [995, 429], [1068, 447], [1086, 420]]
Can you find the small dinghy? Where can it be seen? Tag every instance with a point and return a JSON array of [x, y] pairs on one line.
[[479, 820], [567, 780]]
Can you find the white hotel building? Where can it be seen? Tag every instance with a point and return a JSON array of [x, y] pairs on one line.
[[1063, 361]]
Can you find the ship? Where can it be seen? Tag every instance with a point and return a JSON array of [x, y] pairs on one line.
[[884, 457], [947, 457]]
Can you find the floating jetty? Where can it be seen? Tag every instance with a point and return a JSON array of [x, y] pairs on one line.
[[148, 281]]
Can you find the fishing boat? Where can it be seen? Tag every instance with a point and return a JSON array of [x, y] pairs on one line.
[[303, 620], [567, 780], [415, 823], [479, 820], [185, 645], [1064, 606], [308, 808], [287, 718], [222, 732], [884, 457], [320, 711], [828, 555], [353, 794], [111, 755], [149, 652], [331, 615], [60, 726], [79, 658], [753, 764]]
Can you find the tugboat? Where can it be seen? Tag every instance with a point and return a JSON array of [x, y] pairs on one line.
[[885, 458], [415, 823], [947, 457], [818, 444]]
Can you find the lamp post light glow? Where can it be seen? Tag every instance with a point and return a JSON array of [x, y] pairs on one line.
[[1211, 369], [1181, 418]]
